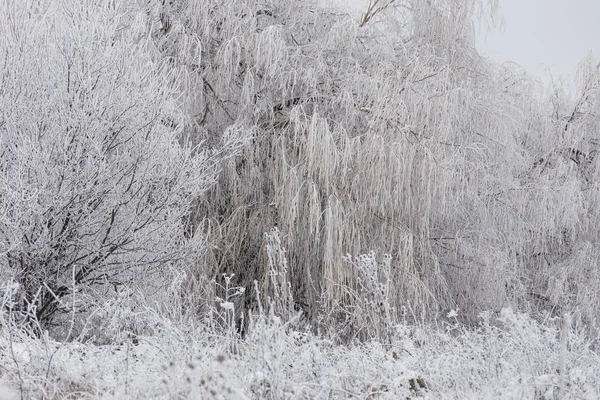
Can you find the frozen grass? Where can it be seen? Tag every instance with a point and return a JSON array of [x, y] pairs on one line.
[[508, 356]]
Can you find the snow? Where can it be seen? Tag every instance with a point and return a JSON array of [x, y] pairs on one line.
[[8, 393], [277, 360]]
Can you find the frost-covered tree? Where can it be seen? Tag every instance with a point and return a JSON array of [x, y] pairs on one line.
[[405, 174], [559, 201], [389, 134], [96, 179], [385, 138]]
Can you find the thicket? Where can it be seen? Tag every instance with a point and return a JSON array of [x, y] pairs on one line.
[[406, 173], [363, 174], [96, 177]]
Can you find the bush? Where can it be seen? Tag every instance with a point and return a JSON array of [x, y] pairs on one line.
[[95, 179]]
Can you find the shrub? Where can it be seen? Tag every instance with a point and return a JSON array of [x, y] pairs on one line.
[[95, 179]]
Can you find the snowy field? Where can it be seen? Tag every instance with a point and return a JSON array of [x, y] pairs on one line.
[[508, 357]]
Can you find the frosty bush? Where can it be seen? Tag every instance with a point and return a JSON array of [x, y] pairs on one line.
[[95, 181]]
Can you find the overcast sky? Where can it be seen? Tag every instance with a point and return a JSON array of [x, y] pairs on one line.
[[539, 33]]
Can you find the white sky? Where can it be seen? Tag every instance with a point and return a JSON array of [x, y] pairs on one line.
[[538, 34], [545, 33]]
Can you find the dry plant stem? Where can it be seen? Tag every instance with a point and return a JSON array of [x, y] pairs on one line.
[[127, 367], [372, 11], [12, 351], [69, 332], [564, 343]]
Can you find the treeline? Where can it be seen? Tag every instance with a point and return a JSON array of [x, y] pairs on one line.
[[361, 172]]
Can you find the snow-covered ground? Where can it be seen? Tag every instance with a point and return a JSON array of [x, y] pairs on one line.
[[508, 357]]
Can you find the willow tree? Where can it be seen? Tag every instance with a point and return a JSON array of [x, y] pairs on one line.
[[362, 140], [390, 134]]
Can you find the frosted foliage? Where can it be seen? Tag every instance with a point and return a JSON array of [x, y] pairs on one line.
[[95, 186], [386, 136], [270, 199], [394, 137], [511, 356], [280, 291], [373, 314]]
